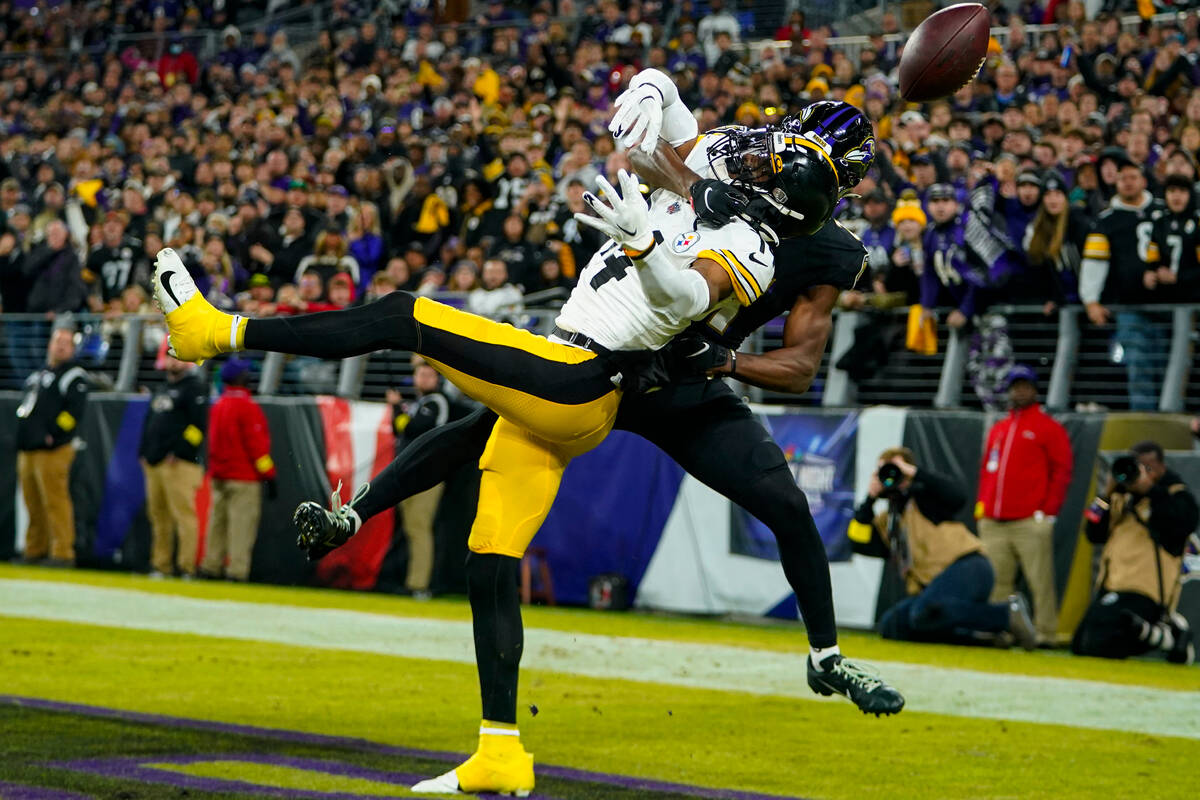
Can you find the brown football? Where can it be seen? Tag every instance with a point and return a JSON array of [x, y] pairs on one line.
[[944, 52]]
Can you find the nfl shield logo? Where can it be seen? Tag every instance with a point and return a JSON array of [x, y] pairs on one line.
[[685, 241], [674, 207]]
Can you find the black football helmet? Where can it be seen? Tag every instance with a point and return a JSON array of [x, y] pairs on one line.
[[843, 133], [792, 182]]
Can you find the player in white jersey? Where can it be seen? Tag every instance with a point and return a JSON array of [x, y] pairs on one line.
[[609, 303], [557, 397]]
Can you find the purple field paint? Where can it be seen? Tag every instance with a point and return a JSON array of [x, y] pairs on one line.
[[137, 769], [19, 791], [364, 745]]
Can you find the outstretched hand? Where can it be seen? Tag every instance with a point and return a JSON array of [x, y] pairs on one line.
[[638, 118], [625, 218]]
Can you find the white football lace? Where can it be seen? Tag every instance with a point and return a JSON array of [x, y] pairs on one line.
[[862, 675], [335, 500]]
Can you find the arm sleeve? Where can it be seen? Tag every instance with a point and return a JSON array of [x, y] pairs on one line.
[[1097, 530], [933, 490], [864, 532], [1062, 461], [1093, 272], [197, 416], [258, 441], [1173, 516], [683, 293]]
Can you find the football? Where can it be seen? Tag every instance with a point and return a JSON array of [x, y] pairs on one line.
[[944, 52]]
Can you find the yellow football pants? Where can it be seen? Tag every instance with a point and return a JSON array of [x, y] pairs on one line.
[[559, 393], [550, 411]]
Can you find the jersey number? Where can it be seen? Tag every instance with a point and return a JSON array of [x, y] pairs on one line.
[[1175, 245], [1144, 231], [614, 269]]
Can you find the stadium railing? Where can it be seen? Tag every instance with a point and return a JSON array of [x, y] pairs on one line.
[[1080, 365]]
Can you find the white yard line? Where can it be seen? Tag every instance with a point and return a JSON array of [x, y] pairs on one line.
[[957, 692]]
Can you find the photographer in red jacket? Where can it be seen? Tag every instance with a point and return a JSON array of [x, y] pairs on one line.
[[1022, 482], [239, 459]]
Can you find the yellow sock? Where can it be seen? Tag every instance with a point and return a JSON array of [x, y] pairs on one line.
[[499, 738]]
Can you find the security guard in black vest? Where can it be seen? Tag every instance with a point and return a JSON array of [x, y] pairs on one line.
[[170, 454], [48, 421]]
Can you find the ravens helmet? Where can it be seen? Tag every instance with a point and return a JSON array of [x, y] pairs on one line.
[[843, 133], [797, 170], [792, 184]]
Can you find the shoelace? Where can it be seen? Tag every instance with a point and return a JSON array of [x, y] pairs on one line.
[[335, 500], [862, 675]]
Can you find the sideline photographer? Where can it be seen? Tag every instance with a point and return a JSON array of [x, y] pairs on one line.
[[1143, 518], [945, 572]]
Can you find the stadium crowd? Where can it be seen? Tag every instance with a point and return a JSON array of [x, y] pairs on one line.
[[398, 150]]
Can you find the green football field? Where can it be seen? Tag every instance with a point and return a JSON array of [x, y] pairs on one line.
[[117, 686]]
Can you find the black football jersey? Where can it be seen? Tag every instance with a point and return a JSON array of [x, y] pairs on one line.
[[832, 256], [1123, 236], [1174, 245]]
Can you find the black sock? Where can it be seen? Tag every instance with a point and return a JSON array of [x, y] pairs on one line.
[[499, 635], [427, 461], [385, 324]]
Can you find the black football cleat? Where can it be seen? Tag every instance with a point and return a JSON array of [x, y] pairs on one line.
[[861, 686], [323, 530]]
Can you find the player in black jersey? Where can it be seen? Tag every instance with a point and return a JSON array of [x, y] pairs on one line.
[[709, 431], [1172, 263]]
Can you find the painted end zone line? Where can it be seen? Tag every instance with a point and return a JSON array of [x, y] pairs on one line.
[[365, 745]]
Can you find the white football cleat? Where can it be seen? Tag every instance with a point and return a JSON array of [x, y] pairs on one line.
[[195, 330]]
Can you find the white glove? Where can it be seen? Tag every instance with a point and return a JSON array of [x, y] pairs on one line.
[[638, 117], [625, 218]]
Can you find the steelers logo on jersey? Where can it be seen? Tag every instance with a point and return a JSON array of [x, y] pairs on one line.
[[685, 241]]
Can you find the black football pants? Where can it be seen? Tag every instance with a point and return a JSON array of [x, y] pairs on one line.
[[709, 432]]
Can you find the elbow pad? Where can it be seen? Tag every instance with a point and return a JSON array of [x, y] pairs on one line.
[[679, 124], [660, 81]]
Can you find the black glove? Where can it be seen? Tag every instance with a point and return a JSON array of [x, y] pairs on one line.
[[717, 203], [272, 488], [689, 355]]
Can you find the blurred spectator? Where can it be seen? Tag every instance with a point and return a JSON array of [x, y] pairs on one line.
[[295, 245], [946, 575], [1022, 483], [48, 422], [331, 255], [718, 20], [518, 254], [366, 242], [170, 456], [1114, 271], [1054, 243], [1172, 268], [239, 459], [496, 298], [431, 409], [53, 272], [464, 277], [1138, 582], [907, 265]]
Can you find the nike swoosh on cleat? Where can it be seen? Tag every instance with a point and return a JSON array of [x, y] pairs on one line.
[[165, 280]]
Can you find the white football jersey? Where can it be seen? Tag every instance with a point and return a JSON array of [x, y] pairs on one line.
[[609, 304]]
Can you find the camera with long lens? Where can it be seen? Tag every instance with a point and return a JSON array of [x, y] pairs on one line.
[[1125, 472], [890, 478]]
